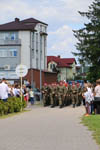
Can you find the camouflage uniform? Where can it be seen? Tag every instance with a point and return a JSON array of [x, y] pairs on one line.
[[79, 92], [61, 97], [74, 95], [65, 93], [69, 97], [52, 95], [44, 95]]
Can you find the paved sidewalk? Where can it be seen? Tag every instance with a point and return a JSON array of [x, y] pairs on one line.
[[46, 129]]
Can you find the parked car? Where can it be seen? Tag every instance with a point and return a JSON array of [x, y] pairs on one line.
[[37, 94]]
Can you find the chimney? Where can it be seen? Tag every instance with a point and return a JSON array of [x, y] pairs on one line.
[[17, 19], [58, 56]]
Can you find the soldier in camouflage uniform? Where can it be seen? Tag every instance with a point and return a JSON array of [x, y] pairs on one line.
[[55, 95], [43, 90], [79, 94], [69, 97], [65, 94], [74, 94], [52, 96], [48, 95], [61, 96]]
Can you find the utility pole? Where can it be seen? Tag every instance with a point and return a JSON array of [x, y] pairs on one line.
[[31, 66], [40, 67]]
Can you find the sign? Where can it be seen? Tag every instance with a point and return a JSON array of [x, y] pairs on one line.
[[21, 70]]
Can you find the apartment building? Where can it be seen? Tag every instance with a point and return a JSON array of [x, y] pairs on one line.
[[22, 42]]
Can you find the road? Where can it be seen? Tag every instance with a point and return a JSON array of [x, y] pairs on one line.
[[46, 129]]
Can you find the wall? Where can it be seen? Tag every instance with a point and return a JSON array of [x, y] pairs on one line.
[[42, 46], [47, 77], [63, 74], [25, 47]]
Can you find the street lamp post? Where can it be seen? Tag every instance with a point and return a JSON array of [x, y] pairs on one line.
[[40, 67]]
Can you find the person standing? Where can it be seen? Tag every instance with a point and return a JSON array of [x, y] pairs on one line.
[[4, 90], [97, 97], [31, 95], [90, 89], [88, 98], [74, 94], [85, 85]]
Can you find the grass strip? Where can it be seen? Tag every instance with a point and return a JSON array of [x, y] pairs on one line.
[[93, 124]]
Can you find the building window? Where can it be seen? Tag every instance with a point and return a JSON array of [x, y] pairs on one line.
[[37, 53], [45, 42], [33, 53], [33, 40], [52, 66], [8, 52], [8, 35], [15, 53], [37, 63], [40, 27], [41, 46], [45, 29], [36, 41]]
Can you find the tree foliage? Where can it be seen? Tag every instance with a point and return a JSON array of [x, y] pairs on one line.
[[88, 45]]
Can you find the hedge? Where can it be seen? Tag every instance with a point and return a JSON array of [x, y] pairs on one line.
[[13, 104]]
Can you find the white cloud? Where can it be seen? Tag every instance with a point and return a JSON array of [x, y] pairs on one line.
[[64, 43], [61, 15], [56, 11]]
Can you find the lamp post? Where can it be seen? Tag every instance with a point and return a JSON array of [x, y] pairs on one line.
[[31, 66], [40, 67]]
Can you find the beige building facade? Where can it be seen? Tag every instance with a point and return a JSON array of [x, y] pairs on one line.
[[66, 67]]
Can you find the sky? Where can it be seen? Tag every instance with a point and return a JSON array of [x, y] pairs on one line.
[[61, 16]]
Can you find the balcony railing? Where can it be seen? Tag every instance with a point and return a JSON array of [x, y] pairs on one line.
[[10, 42]]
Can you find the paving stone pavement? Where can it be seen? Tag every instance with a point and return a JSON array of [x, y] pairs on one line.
[[46, 129]]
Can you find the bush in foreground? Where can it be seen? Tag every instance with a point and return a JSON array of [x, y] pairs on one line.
[[12, 105]]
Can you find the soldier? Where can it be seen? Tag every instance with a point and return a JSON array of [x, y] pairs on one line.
[[74, 94], [65, 91], [69, 97], [44, 94], [56, 94], [61, 96], [48, 95], [52, 96], [79, 94]]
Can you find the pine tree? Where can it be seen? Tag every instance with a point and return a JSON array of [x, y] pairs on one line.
[[88, 45]]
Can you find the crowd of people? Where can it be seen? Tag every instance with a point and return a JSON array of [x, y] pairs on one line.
[[58, 94], [8, 90], [64, 94]]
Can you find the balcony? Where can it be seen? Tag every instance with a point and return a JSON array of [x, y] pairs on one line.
[[9, 42]]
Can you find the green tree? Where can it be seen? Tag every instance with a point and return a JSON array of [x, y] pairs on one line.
[[88, 45]]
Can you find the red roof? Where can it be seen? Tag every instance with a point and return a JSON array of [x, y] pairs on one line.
[[68, 60], [27, 24], [61, 62], [53, 58]]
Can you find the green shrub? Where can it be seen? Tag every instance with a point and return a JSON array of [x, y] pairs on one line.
[[23, 103], [13, 104], [5, 107], [1, 108]]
